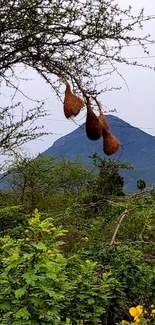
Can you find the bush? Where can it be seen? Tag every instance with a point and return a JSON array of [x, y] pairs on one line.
[[33, 279], [12, 220], [132, 270], [92, 291], [38, 285]]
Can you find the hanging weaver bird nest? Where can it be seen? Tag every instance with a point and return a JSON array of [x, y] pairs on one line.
[[93, 124], [102, 118], [104, 123], [72, 103], [111, 144]]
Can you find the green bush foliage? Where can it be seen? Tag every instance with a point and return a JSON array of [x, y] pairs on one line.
[[38, 285], [88, 274]]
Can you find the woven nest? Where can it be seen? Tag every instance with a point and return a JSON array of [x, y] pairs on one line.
[[93, 124], [111, 144], [72, 103], [104, 123]]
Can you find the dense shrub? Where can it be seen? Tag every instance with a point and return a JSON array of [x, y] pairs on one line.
[[38, 285]]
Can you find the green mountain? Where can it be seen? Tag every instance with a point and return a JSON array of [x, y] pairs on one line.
[[138, 148]]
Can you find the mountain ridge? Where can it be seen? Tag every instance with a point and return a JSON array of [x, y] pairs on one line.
[[138, 148]]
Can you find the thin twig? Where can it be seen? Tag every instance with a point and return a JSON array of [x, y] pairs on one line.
[[119, 222]]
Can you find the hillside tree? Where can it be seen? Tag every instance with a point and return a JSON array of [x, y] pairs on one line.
[[141, 185], [46, 182]]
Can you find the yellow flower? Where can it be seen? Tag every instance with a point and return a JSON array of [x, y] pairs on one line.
[[49, 251], [136, 312], [153, 311], [27, 231]]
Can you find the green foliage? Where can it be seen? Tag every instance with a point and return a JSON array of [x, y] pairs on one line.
[[44, 181], [12, 220], [141, 184], [32, 281], [38, 285], [131, 269], [85, 279], [109, 181], [92, 291]]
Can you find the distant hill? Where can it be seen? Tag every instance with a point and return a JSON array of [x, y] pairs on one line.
[[138, 149]]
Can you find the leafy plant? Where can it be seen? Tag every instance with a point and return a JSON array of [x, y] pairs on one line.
[[38, 285], [33, 276], [141, 184]]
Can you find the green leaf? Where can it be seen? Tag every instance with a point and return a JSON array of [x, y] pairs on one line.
[[91, 301], [30, 277], [40, 246], [22, 313], [4, 306], [20, 292]]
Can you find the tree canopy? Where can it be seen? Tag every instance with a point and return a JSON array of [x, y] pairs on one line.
[[71, 38], [80, 41]]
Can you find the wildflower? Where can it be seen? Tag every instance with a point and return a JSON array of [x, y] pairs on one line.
[[153, 311], [136, 312], [49, 251]]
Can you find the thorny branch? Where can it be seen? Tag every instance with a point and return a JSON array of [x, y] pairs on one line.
[[67, 38], [72, 39]]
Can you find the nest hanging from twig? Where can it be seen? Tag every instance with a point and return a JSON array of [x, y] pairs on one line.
[[72, 103], [104, 123], [110, 144], [102, 118], [93, 124]]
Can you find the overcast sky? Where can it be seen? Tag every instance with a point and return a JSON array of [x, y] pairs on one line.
[[136, 106]]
